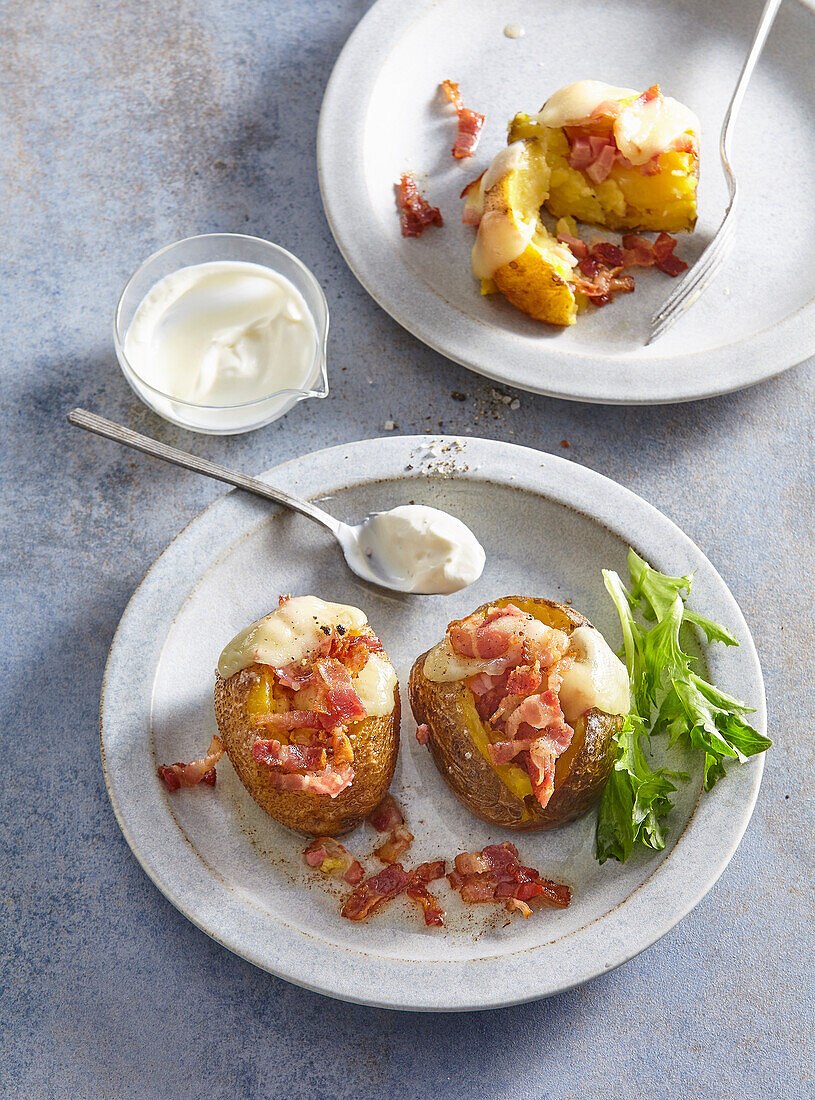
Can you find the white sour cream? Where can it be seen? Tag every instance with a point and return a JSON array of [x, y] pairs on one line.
[[424, 549], [641, 130], [292, 634], [222, 333]]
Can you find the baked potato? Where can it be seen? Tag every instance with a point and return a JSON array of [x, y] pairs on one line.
[[462, 731], [307, 705], [514, 252], [617, 158]]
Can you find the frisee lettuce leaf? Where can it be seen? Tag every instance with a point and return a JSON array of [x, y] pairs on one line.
[[637, 799]]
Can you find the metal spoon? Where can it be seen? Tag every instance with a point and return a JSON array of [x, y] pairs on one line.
[[347, 536]]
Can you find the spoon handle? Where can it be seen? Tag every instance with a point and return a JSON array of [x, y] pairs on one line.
[[119, 434]]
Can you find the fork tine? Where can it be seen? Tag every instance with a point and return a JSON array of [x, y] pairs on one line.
[[692, 285]]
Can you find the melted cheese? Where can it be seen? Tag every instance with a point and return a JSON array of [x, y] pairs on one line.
[[598, 678], [577, 102], [376, 685], [501, 239], [288, 635], [641, 130], [502, 235]]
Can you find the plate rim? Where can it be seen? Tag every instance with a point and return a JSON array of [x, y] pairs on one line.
[[343, 187], [395, 450]]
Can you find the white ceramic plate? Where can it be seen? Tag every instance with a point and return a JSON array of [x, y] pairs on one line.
[[382, 116], [548, 526]]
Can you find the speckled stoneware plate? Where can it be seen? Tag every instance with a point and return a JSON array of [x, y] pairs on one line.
[[548, 526], [382, 116]]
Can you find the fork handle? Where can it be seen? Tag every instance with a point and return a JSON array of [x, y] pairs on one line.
[[762, 31], [81, 418]]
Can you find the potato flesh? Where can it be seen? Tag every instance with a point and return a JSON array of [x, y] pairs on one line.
[[628, 198]]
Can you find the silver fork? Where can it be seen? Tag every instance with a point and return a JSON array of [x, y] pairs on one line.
[[709, 263]]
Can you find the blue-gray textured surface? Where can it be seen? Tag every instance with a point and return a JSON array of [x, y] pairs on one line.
[[127, 126]]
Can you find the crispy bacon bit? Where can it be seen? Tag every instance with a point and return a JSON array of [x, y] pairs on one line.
[[333, 858], [189, 775], [416, 212], [469, 123], [423, 733], [332, 781], [290, 758], [484, 638], [387, 815], [398, 841], [391, 882], [525, 679], [496, 874], [370, 894], [295, 719]]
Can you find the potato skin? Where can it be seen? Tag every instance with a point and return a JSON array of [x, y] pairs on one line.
[[470, 777], [375, 742]]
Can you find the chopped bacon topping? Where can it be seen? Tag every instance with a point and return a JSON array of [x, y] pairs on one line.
[[370, 894], [469, 122], [600, 266], [423, 733], [387, 815], [290, 758], [397, 843], [496, 874], [332, 781], [197, 771], [392, 881], [485, 638], [416, 212], [333, 858]]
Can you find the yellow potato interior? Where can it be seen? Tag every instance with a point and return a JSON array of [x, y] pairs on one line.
[[628, 198]]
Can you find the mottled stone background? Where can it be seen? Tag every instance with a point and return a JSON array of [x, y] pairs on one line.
[[124, 127]]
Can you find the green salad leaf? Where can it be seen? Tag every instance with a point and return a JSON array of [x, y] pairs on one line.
[[668, 697]]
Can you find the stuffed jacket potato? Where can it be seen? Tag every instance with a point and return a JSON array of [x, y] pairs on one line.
[[521, 701], [594, 153], [307, 704]]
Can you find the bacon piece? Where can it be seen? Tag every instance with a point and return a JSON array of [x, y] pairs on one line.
[[294, 719], [370, 894], [423, 733], [433, 912], [525, 679], [581, 154], [541, 762], [290, 758], [341, 698], [521, 906], [650, 93], [470, 122], [333, 858], [497, 874], [673, 266], [416, 212], [602, 165], [579, 248], [484, 638], [503, 752], [387, 815], [607, 253], [353, 650], [538, 711], [398, 841], [332, 781], [197, 771]]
